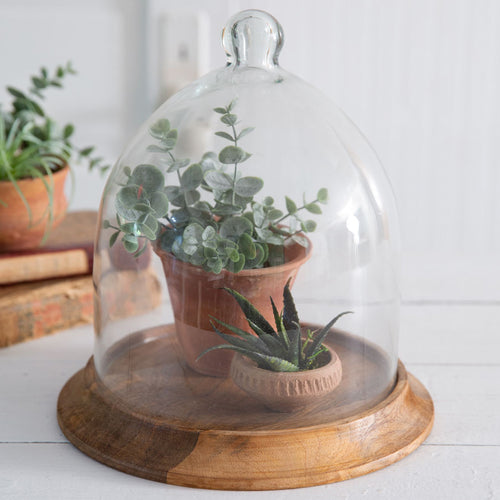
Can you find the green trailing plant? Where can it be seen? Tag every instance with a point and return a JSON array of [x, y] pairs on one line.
[[32, 145], [228, 229], [280, 348]]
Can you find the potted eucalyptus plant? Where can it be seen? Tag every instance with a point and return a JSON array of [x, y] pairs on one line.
[[211, 232], [35, 153], [285, 366]]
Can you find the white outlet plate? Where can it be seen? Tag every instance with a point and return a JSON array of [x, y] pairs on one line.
[[184, 50]]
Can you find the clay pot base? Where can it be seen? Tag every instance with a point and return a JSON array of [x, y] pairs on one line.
[[192, 433]]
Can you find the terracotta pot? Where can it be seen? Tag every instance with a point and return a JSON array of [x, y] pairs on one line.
[[287, 391], [196, 295], [17, 232]]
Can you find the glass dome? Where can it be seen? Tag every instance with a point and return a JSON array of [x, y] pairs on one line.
[[247, 187]]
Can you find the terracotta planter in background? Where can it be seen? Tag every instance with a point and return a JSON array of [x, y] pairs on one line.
[[287, 391], [17, 232], [196, 295]]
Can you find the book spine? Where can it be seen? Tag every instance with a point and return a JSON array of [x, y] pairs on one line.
[[29, 314], [40, 266]]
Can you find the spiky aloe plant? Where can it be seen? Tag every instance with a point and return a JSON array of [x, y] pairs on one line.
[[280, 349]]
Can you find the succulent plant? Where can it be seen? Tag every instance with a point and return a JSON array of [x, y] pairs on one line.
[[233, 231], [283, 348], [31, 143]]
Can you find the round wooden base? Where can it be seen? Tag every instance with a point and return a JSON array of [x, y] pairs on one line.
[[111, 427]]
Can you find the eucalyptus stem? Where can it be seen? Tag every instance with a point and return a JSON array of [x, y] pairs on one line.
[[296, 211], [233, 199]]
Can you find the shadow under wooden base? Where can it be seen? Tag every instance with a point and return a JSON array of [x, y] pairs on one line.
[[153, 417]]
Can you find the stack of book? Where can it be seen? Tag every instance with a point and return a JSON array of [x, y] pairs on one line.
[[50, 288]]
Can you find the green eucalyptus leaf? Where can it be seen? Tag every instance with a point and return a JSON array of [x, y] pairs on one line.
[[210, 244], [146, 230], [234, 227], [191, 197], [235, 266], [189, 248], [191, 177], [225, 135], [149, 220], [178, 164], [159, 203], [216, 266], [112, 239], [160, 128], [210, 253], [274, 214], [268, 200], [194, 231], [153, 148], [259, 259], [197, 258], [208, 233], [259, 215], [145, 208], [232, 154], [229, 119], [247, 246], [209, 161], [149, 177], [221, 111], [130, 243], [290, 205], [232, 254], [245, 131], [106, 224], [130, 228], [308, 226], [128, 196], [267, 236], [173, 193], [218, 180], [313, 208], [248, 186], [323, 195]]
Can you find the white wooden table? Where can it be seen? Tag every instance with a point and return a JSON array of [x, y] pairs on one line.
[[450, 339]]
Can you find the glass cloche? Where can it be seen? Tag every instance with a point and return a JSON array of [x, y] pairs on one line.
[[246, 290]]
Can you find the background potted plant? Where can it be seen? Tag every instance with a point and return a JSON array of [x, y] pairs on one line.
[[225, 239], [285, 367], [34, 162]]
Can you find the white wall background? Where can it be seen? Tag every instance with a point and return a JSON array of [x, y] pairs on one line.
[[421, 78]]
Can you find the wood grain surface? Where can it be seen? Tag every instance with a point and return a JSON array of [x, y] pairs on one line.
[[154, 417]]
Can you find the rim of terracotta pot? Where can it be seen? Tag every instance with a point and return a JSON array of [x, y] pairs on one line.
[[28, 180], [303, 255], [287, 376]]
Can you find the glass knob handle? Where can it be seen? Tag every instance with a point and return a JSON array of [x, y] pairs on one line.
[[252, 38]]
